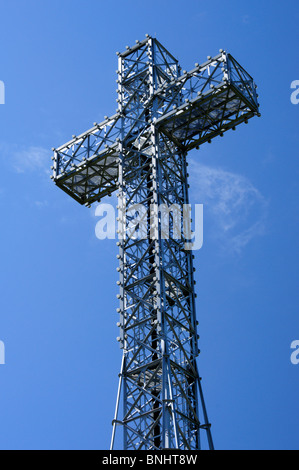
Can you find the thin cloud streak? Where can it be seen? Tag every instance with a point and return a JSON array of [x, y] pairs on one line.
[[236, 211], [26, 159], [32, 159]]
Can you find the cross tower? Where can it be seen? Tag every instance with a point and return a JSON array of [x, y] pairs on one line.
[[140, 152]]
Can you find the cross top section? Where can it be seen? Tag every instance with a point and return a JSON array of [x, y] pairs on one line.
[[154, 94]]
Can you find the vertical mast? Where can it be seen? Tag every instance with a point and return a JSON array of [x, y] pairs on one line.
[[157, 308]]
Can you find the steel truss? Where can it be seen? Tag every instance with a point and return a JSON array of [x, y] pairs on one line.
[[140, 152]]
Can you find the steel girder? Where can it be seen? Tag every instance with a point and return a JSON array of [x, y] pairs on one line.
[[140, 152]]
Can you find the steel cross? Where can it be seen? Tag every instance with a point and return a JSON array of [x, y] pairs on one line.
[[140, 152]]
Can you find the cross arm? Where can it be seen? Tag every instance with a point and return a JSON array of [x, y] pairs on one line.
[[86, 168], [207, 101]]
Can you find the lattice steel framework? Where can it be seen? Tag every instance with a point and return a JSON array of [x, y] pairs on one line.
[[140, 152]]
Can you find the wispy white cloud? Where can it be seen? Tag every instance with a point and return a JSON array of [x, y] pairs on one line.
[[235, 208], [31, 159], [41, 204], [26, 159]]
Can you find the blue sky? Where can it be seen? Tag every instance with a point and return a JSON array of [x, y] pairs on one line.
[[58, 281]]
